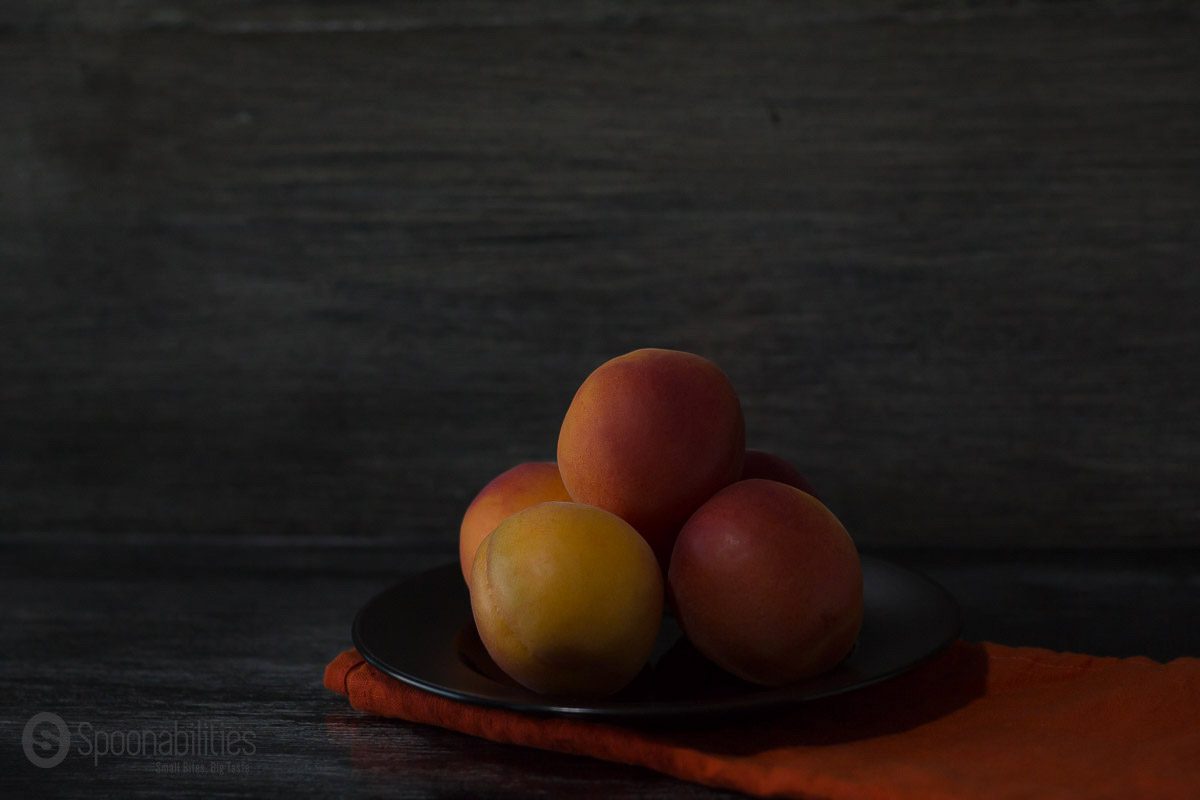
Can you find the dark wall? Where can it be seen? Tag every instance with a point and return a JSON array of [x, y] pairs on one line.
[[303, 267]]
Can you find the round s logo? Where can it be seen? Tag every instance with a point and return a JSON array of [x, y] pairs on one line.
[[46, 740]]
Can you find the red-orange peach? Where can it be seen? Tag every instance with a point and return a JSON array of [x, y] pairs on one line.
[[767, 583], [516, 489], [649, 436], [768, 466]]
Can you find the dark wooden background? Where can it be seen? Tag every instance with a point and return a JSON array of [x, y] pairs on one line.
[[283, 283], [276, 267]]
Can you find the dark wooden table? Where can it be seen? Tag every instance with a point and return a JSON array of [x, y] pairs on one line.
[[142, 632]]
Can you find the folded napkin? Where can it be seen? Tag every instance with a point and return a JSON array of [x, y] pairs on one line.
[[978, 721]]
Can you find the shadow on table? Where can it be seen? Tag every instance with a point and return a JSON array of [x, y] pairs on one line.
[[944, 684]]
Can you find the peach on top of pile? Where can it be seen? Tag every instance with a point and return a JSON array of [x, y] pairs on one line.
[[566, 560]]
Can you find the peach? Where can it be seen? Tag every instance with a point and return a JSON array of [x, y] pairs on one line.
[[767, 583], [761, 464], [567, 599], [518, 488], [649, 436]]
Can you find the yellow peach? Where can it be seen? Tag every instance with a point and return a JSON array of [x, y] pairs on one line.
[[567, 599]]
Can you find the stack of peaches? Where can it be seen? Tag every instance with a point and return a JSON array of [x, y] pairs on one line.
[[567, 562]]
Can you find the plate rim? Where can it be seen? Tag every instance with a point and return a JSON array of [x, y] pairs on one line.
[[770, 699]]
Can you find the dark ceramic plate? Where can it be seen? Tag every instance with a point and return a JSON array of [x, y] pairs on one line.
[[421, 632]]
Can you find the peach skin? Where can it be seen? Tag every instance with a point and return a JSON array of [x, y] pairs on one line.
[[511, 491], [567, 599], [649, 436], [767, 583], [761, 464]]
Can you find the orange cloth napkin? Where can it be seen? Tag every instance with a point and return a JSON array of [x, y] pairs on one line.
[[978, 721]]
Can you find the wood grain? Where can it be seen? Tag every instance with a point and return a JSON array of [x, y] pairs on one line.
[[142, 631], [297, 16], [275, 268]]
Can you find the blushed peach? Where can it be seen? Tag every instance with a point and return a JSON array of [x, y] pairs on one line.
[[649, 436], [511, 491], [767, 583], [567, 599], [768, 466]]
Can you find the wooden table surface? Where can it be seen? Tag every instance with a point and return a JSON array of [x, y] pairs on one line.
[[135, 632]]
